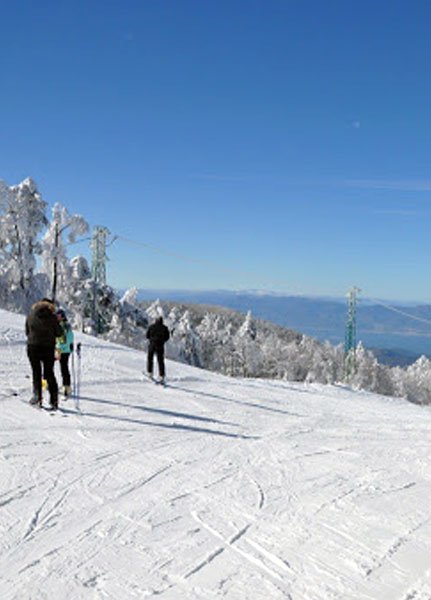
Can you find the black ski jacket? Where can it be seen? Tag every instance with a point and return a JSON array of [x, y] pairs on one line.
[[42, 326], [158, 334]]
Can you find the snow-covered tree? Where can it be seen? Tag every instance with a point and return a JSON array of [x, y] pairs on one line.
[[185, 337], [209, 332], [365, 371], [22, 218], [79, 268], [64, 229], [155, 310], [128, 322], [248, 328], [80, 297], [130, 297], [416, 382], [325, 363], [247, 354]]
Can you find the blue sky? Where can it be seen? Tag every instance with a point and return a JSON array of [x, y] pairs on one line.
[[277, 144]]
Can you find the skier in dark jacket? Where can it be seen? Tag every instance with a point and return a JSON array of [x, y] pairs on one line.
[[42, 329], [158, 335]]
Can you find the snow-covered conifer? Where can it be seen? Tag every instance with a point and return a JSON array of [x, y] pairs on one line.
[[130, 297], [247, 353], [188, 340], [80, 298], [22, 218], [416, 385], [64, 229], [212, 350], [155, 310], [248, 328], [365, 374]]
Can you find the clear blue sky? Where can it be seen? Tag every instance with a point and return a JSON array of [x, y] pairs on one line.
[[285, 143]]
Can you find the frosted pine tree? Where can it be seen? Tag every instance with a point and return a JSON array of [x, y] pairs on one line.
[[188, 341], [22, 219], [226, 347], [6, 200], [173, 318], [155, 310], [80, 299], [248, 328], [130, 297], [416, 384], [325, 363], [247, 354], [276, 359], [174, 348], [369, 374], [131, 311], [209, 331], [128, 322], [64, 229]]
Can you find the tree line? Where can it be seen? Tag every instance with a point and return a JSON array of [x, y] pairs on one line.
[[35, 262]]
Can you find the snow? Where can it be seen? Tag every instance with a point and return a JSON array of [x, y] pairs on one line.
[[209, 488]]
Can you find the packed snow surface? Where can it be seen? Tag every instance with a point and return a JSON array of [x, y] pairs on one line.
[[209, 488]]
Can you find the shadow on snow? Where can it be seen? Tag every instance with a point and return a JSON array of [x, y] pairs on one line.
[[177, 426]]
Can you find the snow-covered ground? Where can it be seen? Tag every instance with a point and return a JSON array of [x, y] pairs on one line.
[[209, 488]]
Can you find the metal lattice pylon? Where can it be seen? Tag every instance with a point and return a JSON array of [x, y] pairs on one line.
[[350, 336], [98, 270], [99, 258]]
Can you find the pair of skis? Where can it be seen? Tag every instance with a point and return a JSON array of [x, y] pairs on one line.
[[161, 382], [49, 409]]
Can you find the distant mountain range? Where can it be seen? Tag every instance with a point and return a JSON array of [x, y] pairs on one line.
[[398, 335]]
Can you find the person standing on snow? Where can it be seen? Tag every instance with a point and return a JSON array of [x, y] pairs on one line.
[[42, 329], [64, 347], [158, 335]]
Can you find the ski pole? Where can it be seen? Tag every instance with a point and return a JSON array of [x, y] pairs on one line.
[[78, 379], [73, 374]]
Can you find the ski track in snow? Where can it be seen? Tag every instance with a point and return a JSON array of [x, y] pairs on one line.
[[209, 488]]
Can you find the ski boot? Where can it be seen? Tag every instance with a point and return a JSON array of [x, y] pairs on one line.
[[35, 400]]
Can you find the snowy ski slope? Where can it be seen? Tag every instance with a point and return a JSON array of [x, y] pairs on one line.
[[209, 488]]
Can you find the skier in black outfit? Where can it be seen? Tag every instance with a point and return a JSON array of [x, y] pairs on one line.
[[158, 335], [42, 328]]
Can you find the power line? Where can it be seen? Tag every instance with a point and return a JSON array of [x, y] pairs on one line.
[[207, 263], [401, 312], [237, 271]]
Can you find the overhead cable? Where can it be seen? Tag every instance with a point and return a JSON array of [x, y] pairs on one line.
[[401, 312], [203, 262], [225, 269]]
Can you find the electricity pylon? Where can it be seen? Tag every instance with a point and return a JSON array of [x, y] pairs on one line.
[[98, 270], [350, 336], [99, 258]]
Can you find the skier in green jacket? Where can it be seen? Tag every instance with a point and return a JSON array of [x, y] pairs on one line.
[[64, 348]]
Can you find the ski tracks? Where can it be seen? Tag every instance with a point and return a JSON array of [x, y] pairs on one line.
[[250, 558], [328, 503], [246, 551]]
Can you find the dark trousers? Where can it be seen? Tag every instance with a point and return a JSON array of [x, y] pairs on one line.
[[64, 367], [159, 351], [42, 360]]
